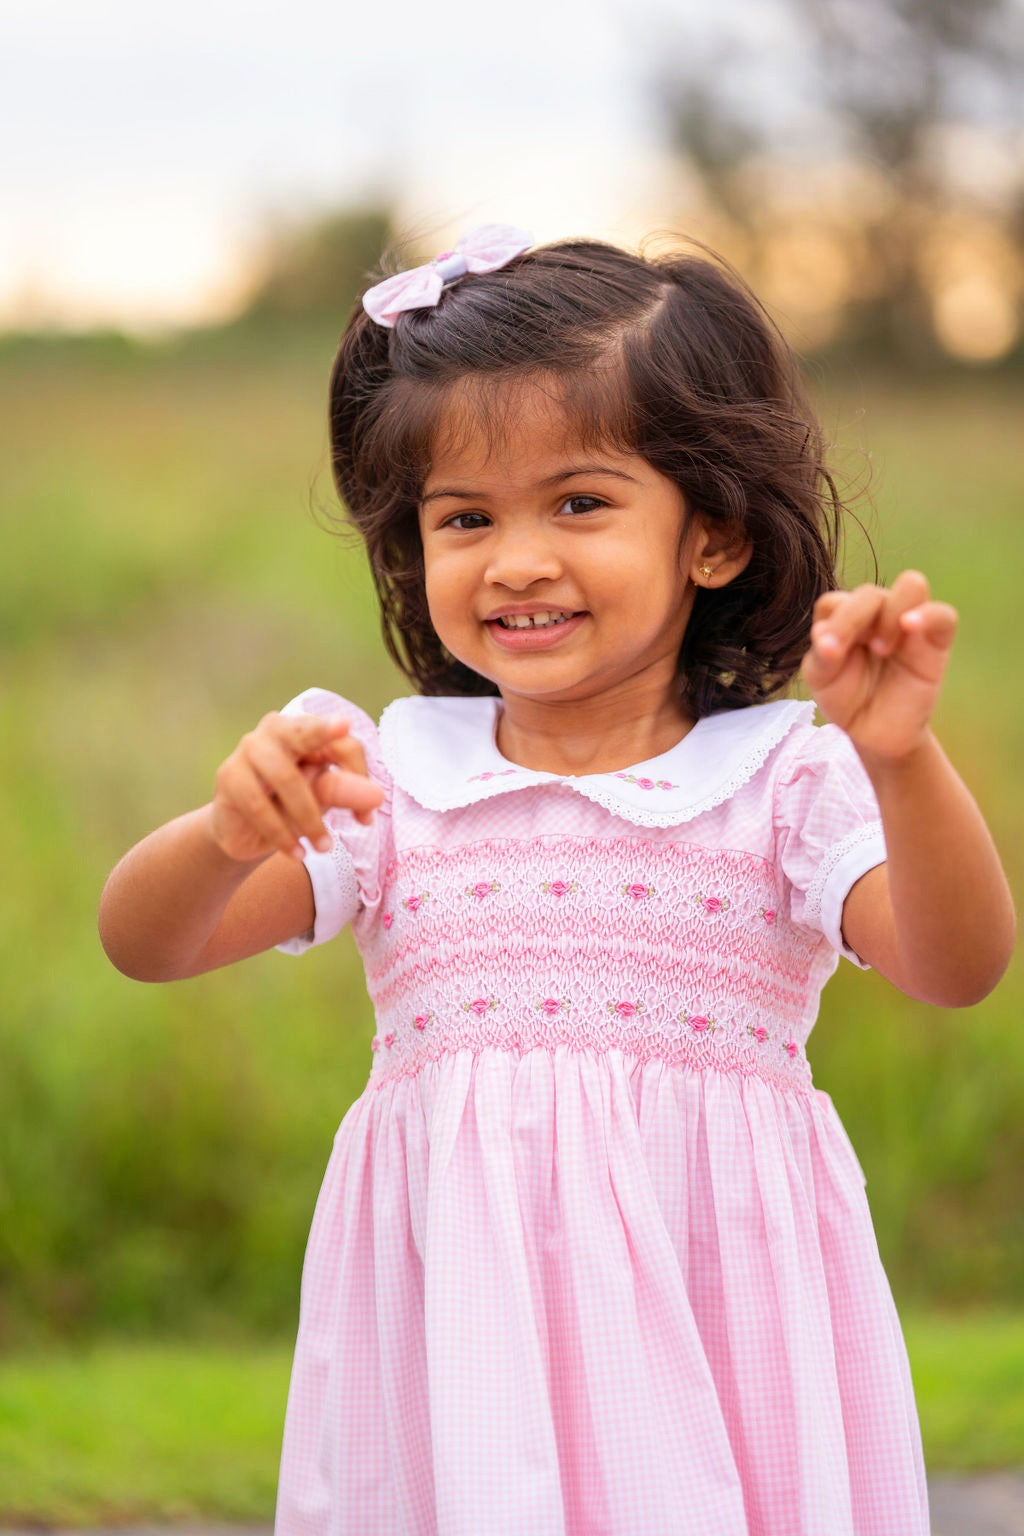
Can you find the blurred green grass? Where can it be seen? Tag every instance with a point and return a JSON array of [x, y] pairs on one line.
[[122, 1432], [166, 579], [149, 1431]]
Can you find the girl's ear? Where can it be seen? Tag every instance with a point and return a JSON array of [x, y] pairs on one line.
[[718, 554]]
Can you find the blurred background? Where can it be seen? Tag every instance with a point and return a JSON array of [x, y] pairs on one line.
[[194, 197]]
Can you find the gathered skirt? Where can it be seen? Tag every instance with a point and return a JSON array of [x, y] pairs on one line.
[[562, 1293]]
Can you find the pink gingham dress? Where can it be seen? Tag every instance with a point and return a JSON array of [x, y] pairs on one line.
[[592, 1255]]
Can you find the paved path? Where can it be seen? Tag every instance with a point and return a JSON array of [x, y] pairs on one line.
[[989, 1504]]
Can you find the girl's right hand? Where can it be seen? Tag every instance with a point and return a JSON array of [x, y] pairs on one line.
[[272, 789]]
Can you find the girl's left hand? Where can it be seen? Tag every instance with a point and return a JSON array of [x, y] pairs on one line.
[[876, 662]]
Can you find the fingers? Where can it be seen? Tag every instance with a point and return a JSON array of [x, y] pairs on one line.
[[241, 790], [353, 791], [839, 619], [271, 783], [349, 784], [342, 751], [306, 734], [279, 771], [908, 592], [935, 622], [345, 752], [877, 618]]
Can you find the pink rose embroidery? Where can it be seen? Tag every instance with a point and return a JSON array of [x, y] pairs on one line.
[[389, 1038], [700, 1023], [792, 1049], [374, 1043], [759, 1032], [637, 891], [768, 913], [413, 903], [559, 888], [422, 1020], [480, 1006], [482, 889], [625, 1009], [713, 904], [553, 1005], [388, 919], [490, 774], [631, 778]]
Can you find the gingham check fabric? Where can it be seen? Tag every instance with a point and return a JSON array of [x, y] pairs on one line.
[[592, 1255]]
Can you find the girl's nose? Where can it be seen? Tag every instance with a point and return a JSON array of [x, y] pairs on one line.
[[519, 558]]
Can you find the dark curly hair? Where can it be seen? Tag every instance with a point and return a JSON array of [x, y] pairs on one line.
[[672, 358]]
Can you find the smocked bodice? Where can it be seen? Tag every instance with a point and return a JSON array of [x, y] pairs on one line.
[[688, 909], [663, 949]]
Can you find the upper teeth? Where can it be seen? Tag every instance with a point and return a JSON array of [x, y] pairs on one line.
[[532, 620]]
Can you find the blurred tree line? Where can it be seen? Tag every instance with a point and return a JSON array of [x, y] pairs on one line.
[[316, 269], [876, 191], [865, 170]]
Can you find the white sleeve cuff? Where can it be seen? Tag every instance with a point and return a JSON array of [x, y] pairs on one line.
[[843, 865], [335, 895]]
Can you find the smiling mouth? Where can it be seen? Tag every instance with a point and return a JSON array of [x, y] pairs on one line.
[[535, 620]]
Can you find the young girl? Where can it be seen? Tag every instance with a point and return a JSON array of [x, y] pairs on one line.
[[593, 1256]]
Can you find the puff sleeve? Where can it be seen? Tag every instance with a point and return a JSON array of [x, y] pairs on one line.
[[828, 831], [345, 879]]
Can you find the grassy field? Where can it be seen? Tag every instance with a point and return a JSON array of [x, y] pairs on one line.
[[123, 1432], [166, 579], [120, 1432]]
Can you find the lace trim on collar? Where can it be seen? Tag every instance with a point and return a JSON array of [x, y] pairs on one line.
[[443, 752]]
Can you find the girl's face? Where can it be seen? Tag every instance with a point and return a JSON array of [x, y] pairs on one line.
[[591, 546]]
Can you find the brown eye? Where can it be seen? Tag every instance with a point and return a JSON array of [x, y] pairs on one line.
[[465, 520], [580, 504]]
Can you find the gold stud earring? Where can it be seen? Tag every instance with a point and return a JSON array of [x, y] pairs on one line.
[[707, 571]]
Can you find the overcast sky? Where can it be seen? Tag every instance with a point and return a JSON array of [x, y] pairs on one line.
[[152, 142]]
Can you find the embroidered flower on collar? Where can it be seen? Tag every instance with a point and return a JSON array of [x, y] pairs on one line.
[[421, 738], [492, 773], [631, 778]]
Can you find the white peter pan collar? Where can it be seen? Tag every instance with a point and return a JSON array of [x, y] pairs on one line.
[[443, 752]]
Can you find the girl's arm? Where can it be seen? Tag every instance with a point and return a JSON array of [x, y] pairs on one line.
[[937, 918], [224, 882]]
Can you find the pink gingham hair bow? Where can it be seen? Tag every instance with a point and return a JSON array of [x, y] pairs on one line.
[[483, 249]]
